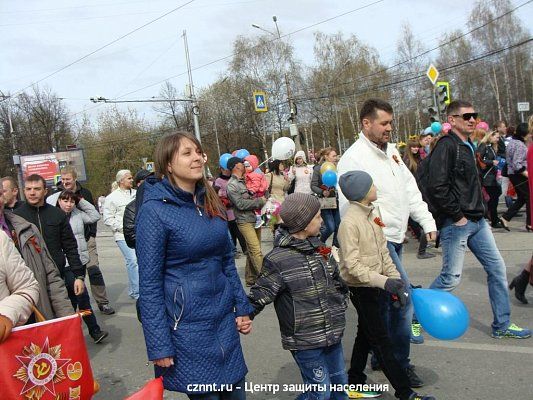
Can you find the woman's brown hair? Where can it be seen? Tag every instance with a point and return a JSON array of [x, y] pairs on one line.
[[411, 158], [165, 151], [324, 152], [68, 194]]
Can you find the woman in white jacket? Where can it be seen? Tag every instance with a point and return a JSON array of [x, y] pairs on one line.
[[302, 173], [18, 288], [114, 206], [81, 213]]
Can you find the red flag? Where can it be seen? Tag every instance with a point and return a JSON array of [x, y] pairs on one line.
[[153, 390], [47, 361]]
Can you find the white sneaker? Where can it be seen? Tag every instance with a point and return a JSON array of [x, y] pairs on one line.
[[335, 253], [258, 222]]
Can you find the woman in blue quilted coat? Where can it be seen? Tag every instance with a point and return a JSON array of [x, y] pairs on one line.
[[192, 302]]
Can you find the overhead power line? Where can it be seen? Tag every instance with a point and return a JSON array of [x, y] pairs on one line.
[[104, 46], [430, 50], [271, 40]]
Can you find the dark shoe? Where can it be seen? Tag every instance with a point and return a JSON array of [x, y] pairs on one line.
[[98, 336], [529, 228], [414, 379], [505, 224], [106, 309], [499, 225], [424, 256], [416, 396], [519, 284]]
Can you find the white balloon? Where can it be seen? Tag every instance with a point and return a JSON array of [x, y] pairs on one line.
[[283, 148]]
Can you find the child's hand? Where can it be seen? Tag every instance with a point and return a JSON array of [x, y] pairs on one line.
[[244, 324]]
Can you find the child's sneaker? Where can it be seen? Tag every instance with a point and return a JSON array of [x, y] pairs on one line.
[[416, 336], [416, 396], [513, 331], [363, 394], [258, 222]]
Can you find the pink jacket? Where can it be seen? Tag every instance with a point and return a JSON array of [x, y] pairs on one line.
[[255, 181]]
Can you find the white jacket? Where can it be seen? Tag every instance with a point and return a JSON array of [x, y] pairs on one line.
[[398, 194], [83, 214], [114, 207], [18, 288]]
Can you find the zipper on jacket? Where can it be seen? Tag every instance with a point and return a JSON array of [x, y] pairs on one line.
[[199, 211], [177, 320], [39, 219]]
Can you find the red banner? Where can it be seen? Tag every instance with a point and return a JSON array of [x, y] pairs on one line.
[[46, 361]]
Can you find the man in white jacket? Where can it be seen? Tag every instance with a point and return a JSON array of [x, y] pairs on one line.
[[398, 198], [114, 207]]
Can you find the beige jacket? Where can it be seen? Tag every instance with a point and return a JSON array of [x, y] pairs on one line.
[[365, 259], [18, 288]]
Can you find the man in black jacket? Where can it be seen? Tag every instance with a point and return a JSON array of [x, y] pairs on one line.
[[69, 180], [455, 192]]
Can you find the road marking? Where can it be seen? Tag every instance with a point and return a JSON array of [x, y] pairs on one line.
[[480, 346]]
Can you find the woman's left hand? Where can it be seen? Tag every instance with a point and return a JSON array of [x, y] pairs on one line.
[[244, 324], [164, 362]]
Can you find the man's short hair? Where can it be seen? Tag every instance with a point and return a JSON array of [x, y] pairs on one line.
[[69, 170], [11, 180], [454, 106], [370, 107], [35, 178]]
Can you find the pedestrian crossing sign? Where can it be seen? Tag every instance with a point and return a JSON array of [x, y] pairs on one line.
[[260, 101]]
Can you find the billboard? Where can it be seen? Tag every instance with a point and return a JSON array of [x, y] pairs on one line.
[[48, 165]]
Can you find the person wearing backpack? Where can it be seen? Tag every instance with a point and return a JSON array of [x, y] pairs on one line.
[[454, 191]]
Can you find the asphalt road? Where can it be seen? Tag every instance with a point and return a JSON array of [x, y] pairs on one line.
[[473, 367]]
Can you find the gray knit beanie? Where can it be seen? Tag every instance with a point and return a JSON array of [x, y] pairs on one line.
[[297, 211], [355, 185]]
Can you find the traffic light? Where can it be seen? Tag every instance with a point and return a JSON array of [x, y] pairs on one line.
[[433, 113], [443, 95]]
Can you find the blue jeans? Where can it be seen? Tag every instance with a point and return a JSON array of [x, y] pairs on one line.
[[479, 239], [131, 267], [332, 220], [322, 366], [398, 320], [237, 393]]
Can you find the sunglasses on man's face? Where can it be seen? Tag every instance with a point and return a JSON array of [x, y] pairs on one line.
[[467, 116]]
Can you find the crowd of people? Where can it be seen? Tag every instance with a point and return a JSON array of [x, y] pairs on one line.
[[178, 233]]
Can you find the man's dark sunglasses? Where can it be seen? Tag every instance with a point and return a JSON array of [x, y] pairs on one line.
[[466, 116]]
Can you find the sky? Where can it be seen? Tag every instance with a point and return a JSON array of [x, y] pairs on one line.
[[39, 37]]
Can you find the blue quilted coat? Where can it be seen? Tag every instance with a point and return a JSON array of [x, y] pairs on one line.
[[190, 292]]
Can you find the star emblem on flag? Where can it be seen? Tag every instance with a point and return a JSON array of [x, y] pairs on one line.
[[42, 368]]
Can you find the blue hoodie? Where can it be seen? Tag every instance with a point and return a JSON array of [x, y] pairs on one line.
[[190, 292]]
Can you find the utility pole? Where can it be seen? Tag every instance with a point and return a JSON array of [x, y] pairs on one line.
[[16, 156], [195, 109]]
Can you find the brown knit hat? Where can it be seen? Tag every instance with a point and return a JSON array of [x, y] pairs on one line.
[[298, 210]]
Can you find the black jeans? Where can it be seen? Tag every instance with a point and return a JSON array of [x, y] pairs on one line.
[[521, 187], [81, 302], [420, 235], [372, 335], [236, 235], [494, 193]]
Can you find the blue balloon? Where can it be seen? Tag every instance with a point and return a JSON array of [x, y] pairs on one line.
[[443, 315], [223, 161], [242, 153], [329, 178], [436, 127]]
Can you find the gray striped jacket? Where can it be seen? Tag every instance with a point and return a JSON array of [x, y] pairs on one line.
[[309, 296]]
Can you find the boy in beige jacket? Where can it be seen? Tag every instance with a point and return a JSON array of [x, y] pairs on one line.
[[371, 275]]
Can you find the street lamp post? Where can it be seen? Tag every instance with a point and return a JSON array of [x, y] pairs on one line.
[[293, 127]]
